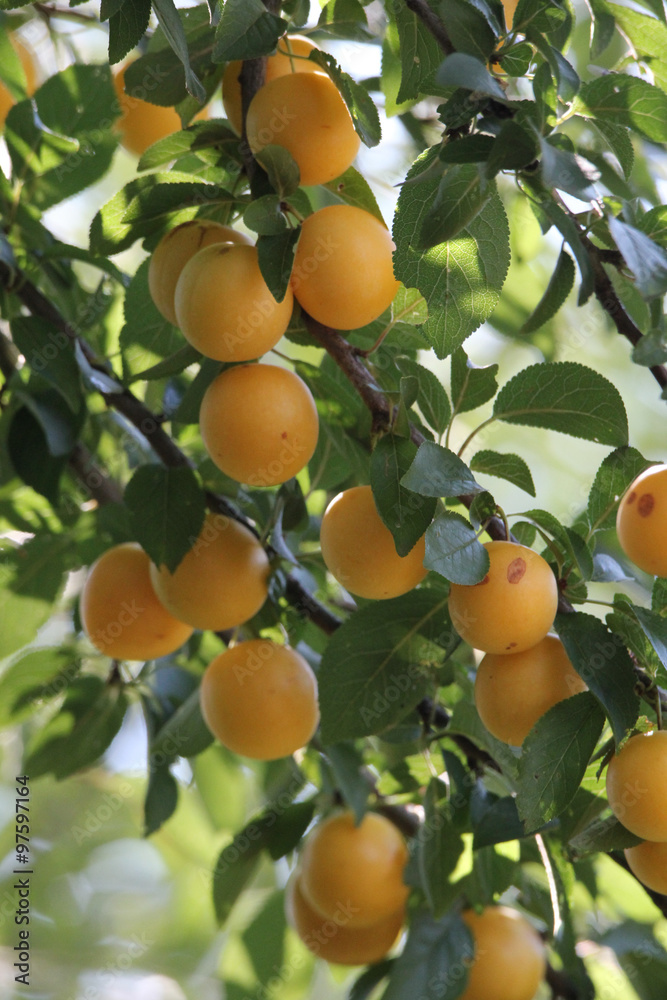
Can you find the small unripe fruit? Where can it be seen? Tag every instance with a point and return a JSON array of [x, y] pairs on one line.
[[331, 938], [648, 861], [259, 424], [279, 64], [222, 580], [513, 607], [641, 522], [173, 252], [120, 611], [304, 113], [514, 690], [343, 272], [260, 699], [636, 782], [360, 867], [224, 307], [359, 550], [510, 958]]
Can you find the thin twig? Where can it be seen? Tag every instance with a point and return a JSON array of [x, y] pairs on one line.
[[431, 20]]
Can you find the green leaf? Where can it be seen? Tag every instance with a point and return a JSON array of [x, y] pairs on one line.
[[200, 135], [462, 70], [498, 824], [615, 474], [567, 397], [557, 291], [236, 865], [167, 507], [461, 280], [265, 216], [454, 550], [432, 399], [161, 799], [505, 466], [420, 54], [517, 60], [654, 224], [471, 386], [127, 27], [405, 514], [31, 578], [170, 22], [246, 30], [438, 472], [514, 148], [264, 940], [648, 37], [184, 734], [563, 170], [276, 260], [461, 195], [347, 766], [353, 188], [544, 16], [600, 837], [359, 102], [364, 987], [433, 964], [12, 74], [377, 665], [286, 827], [475, 148], [468, 28], [555, 756], [344, 18], [601, 659], [570, 231], [146, 336], [646, 259], [438, 847], [625, 100], [654, 627], [34, 677], [75, 101], [49, 353], [281, 167], [82, 730], [172, 365]]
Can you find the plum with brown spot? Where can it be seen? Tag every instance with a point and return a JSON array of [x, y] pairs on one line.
[[641, 522]]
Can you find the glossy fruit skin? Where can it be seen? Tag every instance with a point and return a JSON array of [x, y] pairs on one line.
[[510, 959], [331, 938], [224, 307], [636, 783], [221, 582], [142, 123], [359, 551], [358, 867], [514, 690], [120, 611], [641, 521], [259, 424], [343, 272], [173, 252], [6, 99], [513, 607], [648, 861], [279, 64], [304, 113], [259, 699]]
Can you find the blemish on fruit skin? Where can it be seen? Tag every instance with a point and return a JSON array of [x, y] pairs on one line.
[[485, 580], [632, 497], [284, 435], [516, 570], [511, 645], [646, 504]]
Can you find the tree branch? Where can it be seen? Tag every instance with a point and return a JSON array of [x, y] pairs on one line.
[[431, 20], [98, 484]]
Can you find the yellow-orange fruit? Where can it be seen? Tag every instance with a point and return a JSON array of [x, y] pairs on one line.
[[221, 582], [174, 251], [510, 959], [331, 938], [6, 99], [120, 611], [360, 867], [343, 273], [359, 551], [224, 307], [510, 7], [641, 522], [514, 690], [636, 783], [648, 861], [513, 607], [291, 57], [304, 113], [260, 699], [259, 424], [141, 123]]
